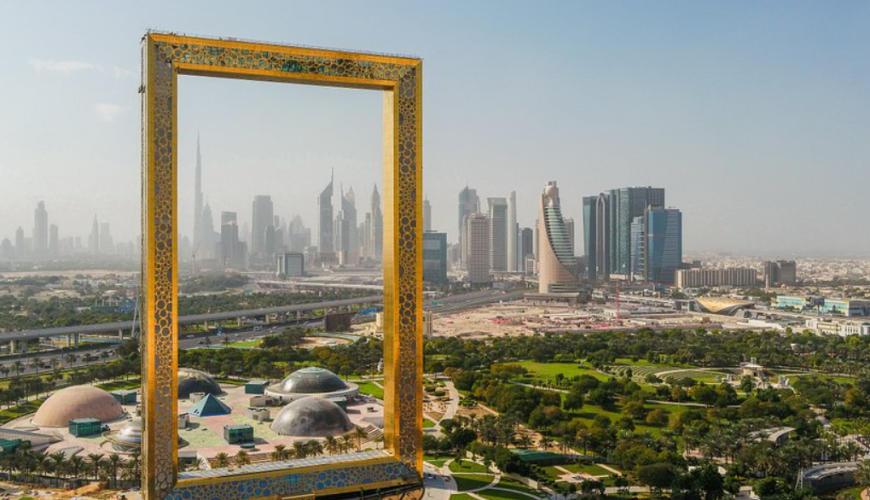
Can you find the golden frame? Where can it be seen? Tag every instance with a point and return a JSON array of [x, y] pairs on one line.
[[164, 57]]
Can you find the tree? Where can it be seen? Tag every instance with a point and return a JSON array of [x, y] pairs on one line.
[[657, 476], [862, 475], [96, 463], [242, 458], [575, 398], [113, 465], [331, 446], [359, 433], [221, 460], [657, 417]]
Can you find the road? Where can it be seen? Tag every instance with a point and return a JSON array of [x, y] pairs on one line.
[[61, 359]]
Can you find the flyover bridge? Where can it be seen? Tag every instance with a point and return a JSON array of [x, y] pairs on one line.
[[121, 326]]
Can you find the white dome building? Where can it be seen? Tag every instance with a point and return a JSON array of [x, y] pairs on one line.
[[312, 382]]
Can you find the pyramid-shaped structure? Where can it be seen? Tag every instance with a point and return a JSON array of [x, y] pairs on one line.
[[208, 406]]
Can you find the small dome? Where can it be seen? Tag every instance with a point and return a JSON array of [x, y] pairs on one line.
[[129, 437], [81, 401], [312, 380], [190, 381], [311, 417]]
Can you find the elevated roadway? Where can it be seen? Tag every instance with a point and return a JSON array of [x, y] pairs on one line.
[[115, 327]]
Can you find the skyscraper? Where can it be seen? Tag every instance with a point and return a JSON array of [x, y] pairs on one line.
[[657, 245], [19, 243], [346, 242], [427, 215], [498, 229], [324, 201], [526, 246], [477, 248], [469, 203], [231, 252], [434, 258], [556, 261], [626, 204], [589, 218], [377, 227], [40, 231], [107, 244], [53, 241], [197, 202], [260, 223], [94, 238], [512, 229]]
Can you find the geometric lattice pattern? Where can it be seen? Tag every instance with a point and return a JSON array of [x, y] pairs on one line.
[[164, 57]]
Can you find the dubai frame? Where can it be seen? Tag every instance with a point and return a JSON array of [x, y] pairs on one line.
[[165, 56]]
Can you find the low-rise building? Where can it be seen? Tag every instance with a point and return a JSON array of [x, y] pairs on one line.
[[236, 434], [838, 327], [699, 278], [799, 304]]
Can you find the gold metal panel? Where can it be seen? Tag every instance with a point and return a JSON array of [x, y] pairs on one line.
[[164, 57]]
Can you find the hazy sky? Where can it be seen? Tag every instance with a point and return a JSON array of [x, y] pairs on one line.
[[755, 116]]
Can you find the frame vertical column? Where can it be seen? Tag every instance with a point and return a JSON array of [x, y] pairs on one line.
[[159, 325]]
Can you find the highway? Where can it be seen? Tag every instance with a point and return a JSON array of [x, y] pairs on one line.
[[183, 320]]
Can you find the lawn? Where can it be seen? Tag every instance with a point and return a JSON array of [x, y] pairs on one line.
[[461, 496], [437, 462], [591, 469], [466, 482], [823, 376], [19, 411], [370, 389], [552, 472], [428, 424], [569, 370], [121, 385], [588, 413], [248, 344], [494, 494], [512, 484], [230, 381], [466, 466]]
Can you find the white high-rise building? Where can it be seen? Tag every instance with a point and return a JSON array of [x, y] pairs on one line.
[[427, 215], [477, 244], [512, 228], [556, 261], [498, 238]]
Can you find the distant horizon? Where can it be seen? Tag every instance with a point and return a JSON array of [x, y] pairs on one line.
[[751, 116]]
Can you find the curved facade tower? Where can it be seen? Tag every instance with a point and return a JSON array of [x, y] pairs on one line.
[[556, 260]]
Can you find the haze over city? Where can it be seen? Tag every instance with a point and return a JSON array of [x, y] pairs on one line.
[[754, 118]]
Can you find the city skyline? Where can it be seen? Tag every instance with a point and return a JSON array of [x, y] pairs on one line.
[[735, 128]]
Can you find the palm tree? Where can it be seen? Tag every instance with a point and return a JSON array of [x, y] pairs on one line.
[[331, 445], [59, 459], [280, 453], [76, 465], [526, 441], [4, 370], [862, 475], [96, 463], [221, 460], [114, 465], [359, 433], [314, 447], [242, 458], [18, 366], [299, 450]]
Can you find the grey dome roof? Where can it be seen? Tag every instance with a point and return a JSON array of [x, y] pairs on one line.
[[190, 381], [312, 380], [311, 417], [129, 437]]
